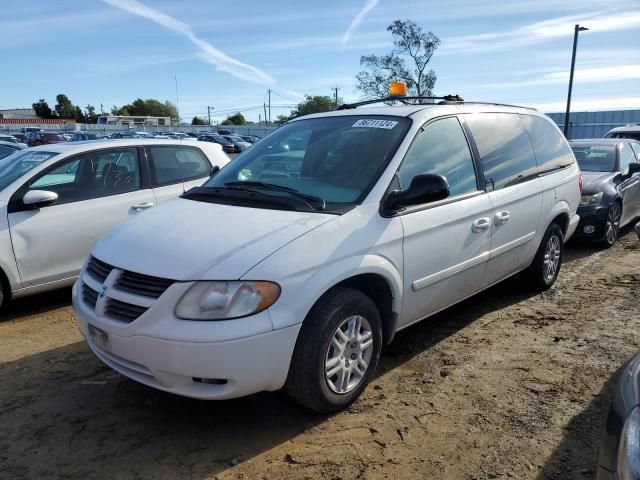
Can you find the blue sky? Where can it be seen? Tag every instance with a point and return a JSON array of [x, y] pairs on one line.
[[227, 54]]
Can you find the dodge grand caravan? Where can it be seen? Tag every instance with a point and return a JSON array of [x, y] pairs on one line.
[[292, 267]]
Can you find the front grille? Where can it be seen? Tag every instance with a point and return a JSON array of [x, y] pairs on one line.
[[126, 312], [98, 269], [89, 295], [142, 284]]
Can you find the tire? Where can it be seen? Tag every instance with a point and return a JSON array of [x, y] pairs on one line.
[[612, 225], [544, 270], [312, 381]]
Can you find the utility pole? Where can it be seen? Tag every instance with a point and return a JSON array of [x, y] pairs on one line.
[[259, 118], [177, 102], [336, 88], [265, 113], [269, 106], [577, 29], [209, 113]]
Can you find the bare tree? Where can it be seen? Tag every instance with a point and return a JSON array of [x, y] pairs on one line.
[[407, 62]]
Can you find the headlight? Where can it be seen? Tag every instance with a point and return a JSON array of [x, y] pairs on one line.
[[629, 448], [591, 199], [226, 300]]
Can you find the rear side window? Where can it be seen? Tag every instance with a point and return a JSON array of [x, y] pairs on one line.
[[551, 149], [505, 150], [178, 164], [441, 148]]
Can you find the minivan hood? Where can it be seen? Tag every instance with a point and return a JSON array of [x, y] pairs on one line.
[[594, 182], [191, 240]]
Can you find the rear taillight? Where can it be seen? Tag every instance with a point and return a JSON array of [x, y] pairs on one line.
[[580, 183]]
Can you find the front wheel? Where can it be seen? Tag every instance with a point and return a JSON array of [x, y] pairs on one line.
[[612, 226], [544, 270], [337, 351]]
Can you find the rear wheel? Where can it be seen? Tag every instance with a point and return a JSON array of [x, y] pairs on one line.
[[337, 351], [612, 226], [544, 270]]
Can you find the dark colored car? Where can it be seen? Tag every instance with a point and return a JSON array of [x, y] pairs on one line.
[[83, 136], [249, 138], [7, 148], [43, 138], [240, 144], [620, 451], [123, 135], [611, 187], [225, 132], [22, 137], [227, 146]]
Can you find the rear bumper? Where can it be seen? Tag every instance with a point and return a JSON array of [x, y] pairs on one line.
[[593, 221]]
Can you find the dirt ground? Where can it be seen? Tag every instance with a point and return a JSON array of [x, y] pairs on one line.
[[504, 385]]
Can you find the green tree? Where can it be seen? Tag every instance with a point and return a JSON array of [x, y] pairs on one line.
[[79, 115], [280, 119], [314, 104], [235, 119], [198, 121], [149, 107], [407, 62], [42, 109], [64, 108], [90, 114]]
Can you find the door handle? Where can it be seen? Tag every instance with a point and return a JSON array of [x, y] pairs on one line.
[[481, 225], [502, 217], [142, 206]]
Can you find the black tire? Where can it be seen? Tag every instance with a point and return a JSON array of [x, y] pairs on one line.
[[538, 275], [612, 225], [307, 382]]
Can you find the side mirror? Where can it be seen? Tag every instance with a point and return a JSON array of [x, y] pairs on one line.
[[638, 229], [215, 169], [634, 167], [39, 198], [425, 188]]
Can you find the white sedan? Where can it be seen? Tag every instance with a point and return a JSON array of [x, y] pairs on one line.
[[57, 201]]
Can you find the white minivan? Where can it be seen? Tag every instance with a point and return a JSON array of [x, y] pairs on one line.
[[301, 258], [57, 201]]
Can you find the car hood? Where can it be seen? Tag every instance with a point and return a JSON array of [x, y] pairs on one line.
[[191, 240], [594, 182]]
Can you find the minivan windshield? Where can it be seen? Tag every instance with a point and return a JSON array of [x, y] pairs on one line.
[[332, 160], [595, 158], [16, 165]]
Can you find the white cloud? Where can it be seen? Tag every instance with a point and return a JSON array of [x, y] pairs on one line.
[[589, 104], [357, 20], [581, 75], [208, 52], [538, 32]]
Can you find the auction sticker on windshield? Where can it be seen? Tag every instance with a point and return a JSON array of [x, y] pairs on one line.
[[371, 123]]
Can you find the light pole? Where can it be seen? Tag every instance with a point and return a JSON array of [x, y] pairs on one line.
[[209, 114], [577, 29]]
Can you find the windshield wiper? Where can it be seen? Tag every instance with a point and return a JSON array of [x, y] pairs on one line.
[[311, 199]]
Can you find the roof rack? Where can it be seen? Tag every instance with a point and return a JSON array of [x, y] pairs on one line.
[[400, 98], [445, 100]]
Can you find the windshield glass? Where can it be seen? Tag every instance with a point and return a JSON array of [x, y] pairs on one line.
[[595, 158], [16, 165], [337, 159]]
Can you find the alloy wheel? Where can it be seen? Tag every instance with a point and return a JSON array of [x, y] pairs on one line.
[[552, 257], [613, 224], [348, 354]]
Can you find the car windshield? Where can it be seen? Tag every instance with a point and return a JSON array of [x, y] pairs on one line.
[[19, 163], [53, 137], [336, 159], [595, 158]]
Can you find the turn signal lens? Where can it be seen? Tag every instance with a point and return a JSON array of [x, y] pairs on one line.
[[398, 89]]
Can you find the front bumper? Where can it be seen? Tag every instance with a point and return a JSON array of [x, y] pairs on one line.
[[208, 366], [593, 221]]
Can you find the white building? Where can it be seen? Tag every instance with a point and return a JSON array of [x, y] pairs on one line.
[[132, 121], [19, 114]]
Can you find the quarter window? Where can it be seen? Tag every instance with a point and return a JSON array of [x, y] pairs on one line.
[[549, 145], [441, 148], [178, 164], [505, 150], [92, 175]]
